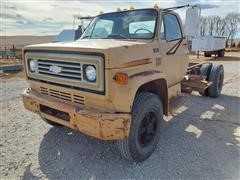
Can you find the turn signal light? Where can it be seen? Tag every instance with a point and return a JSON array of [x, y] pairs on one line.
[[121, 78]]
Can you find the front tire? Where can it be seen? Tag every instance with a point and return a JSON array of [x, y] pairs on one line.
[[146, 127]]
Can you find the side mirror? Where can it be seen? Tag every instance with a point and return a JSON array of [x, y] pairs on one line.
[[192, 21]]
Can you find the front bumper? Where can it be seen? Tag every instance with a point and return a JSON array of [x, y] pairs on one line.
[[101, 125]]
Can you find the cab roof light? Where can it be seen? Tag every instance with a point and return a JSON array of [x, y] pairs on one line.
[[156, 6], [131, 8]]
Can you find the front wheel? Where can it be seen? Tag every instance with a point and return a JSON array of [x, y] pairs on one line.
[[146, 126]]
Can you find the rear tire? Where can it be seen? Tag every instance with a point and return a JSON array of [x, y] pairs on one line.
[[205, 71], [51, 122], [216, 77], [221, 53], [146, 127], [207, 54]]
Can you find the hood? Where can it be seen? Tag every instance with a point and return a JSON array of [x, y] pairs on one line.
[[117, 52]]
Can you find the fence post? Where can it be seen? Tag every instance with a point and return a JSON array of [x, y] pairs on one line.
[[6, 56], [13, 50]]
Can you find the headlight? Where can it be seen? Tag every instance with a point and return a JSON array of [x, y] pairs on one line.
[[33, 65], [90, 73]]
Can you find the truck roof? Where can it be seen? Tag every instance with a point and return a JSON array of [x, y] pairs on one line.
[[129, 10]]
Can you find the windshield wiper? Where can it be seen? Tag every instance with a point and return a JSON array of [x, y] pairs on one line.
[[118, 35], [121, 36]]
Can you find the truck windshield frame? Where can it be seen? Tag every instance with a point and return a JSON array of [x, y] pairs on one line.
[[134, 24]]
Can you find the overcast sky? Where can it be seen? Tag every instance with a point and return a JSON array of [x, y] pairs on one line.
[[49, 17]]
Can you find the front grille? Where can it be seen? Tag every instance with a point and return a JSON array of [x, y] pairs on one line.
[[62, 95], [67, 70]]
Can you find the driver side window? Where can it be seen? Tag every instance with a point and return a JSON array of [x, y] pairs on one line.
[[170, 29]]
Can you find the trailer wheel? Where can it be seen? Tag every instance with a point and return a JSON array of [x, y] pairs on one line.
[[205, 71], [207, 54], [146, 127], [216, 77], [221, 53], [51, 122]]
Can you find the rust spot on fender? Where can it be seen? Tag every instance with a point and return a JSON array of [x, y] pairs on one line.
[[144, 73]]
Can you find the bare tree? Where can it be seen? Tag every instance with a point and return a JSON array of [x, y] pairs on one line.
[[232, 25], [220, 26], [203, 25], [211, 23]]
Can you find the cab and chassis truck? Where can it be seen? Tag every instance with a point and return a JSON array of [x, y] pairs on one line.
[[116, 82]]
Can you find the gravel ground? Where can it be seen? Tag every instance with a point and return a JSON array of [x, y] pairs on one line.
[[201, 142]]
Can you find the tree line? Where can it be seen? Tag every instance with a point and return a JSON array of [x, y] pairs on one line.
[[227, 26]]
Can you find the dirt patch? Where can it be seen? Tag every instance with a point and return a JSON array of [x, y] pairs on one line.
[[12, 76]]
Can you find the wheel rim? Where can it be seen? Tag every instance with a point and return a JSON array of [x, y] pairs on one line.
[[147, 130]]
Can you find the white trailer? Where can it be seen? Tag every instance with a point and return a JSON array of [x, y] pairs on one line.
[[209, 45]]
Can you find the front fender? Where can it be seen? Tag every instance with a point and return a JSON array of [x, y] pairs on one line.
[[122, 96]]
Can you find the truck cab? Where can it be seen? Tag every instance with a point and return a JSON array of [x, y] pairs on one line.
[[115, 82]]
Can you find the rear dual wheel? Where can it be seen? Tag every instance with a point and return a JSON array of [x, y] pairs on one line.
[[146, 127], [215, 74], [216, 77], [205, 71]]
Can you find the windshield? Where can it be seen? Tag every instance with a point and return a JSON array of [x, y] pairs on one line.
[[139, 24]]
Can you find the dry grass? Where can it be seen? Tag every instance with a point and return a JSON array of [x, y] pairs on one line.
[[10, 61], [21, 41]]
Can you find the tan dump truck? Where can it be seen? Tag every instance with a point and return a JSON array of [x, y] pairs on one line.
[[116, 82]]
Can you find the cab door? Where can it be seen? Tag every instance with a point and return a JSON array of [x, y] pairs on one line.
[[173, 48]]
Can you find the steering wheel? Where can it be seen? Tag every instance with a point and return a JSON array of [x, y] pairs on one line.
[[143, 30]]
